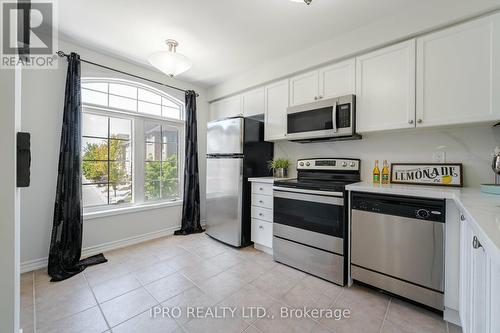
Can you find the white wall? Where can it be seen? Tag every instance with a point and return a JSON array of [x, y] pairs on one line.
[[471, 146], [43, 96], [415, 20], [10, 96]]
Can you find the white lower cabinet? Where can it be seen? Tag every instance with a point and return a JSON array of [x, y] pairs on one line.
[[479, 284], [262, 216]]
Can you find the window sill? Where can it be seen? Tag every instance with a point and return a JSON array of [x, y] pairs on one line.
[[130, 209]]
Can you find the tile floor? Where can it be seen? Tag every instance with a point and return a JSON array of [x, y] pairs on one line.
[[196, 271]]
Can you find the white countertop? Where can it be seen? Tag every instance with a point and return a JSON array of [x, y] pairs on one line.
[[269, 180], [480, 209]]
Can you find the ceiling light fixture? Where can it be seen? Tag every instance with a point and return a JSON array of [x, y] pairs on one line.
[[307, 2], [170, 62]]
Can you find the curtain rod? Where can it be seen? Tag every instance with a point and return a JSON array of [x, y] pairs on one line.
[[62, 54]]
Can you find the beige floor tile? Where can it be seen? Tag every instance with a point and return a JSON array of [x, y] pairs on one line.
[[169, 286], [88, 321], [146, 323], [208, 250], [127, 306], [414, 319], [154, 272], [26, 295], [44, 287], [356, 322], [57, 305], [275, 284], [219, 325], [247, 271], [388, 327], [312, 292], [115, 287], [221, 286], [169, 252], [192, 297], [319, 328], [277, 321], [361, 300], [201, 272], [246, 299], [184, 260], [252, 329], [107, 273], [26, 320], [225, 260]]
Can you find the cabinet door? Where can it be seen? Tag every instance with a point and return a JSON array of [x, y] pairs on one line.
[[385, 88], [479, 287], [304, 88], [229, 107], [253, 102], [465, 290], [494, 293], [458, 74], [216, 110], [276, 104], [338, 79]]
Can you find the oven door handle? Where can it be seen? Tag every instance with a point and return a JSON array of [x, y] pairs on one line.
[[299, 190], [329, 200]]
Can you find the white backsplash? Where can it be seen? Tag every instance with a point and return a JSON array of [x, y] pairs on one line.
[[471, 146]]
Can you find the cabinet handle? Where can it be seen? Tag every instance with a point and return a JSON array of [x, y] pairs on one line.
[[261, 189], [410, 121], [419, 121], [320, 97], [316, 98], [261, 227], [475, 243], [462, 218], [260, 214], [260, 201]]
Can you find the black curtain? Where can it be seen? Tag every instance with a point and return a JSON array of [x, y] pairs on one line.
[[66, 241], [191, 204]]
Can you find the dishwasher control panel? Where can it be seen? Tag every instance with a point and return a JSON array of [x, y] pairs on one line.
[[410, 207]]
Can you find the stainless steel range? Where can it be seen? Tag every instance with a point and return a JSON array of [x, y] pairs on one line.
[[310, 217]]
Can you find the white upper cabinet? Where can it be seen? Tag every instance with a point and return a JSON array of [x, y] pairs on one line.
[[253, 102], [304, 88], [385, 88], [228, 107], [331, 81], [276, 101], [458, 74], [338, 79]]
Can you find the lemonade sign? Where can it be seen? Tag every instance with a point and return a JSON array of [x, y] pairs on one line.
[[447, 174]]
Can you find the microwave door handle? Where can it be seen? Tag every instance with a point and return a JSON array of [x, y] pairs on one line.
[[334, 118]]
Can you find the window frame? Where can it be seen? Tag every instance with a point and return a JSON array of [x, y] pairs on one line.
[[138, 151]]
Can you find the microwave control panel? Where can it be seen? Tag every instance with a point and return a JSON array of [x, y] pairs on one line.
[[344, 116]]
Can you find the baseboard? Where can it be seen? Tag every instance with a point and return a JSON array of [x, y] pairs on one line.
[[31, 265], [452, 316], [263, 248]]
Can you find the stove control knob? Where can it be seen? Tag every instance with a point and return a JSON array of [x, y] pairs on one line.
[[301, 163], [344, 164], [308, 164], [423, 213], [353, 164]]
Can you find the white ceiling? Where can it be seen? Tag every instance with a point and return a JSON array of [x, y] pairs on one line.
[[221, 37]]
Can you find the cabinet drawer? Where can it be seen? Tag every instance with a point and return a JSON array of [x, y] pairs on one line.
[[262, 233], [262, 188], [265, 201], [262, 214]]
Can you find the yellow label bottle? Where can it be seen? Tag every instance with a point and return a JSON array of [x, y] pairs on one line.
[[376, 173], [385, 173]]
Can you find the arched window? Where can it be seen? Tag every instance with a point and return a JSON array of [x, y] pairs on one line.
[[132, 142]]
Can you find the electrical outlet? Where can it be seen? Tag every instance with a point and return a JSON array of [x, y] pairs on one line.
[[439, 157]]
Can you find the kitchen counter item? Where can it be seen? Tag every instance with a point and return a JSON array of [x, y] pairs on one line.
[[490, 188]]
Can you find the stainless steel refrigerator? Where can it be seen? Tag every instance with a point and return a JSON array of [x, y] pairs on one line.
[[236, 151]]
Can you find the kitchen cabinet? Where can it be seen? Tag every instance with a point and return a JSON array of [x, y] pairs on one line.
[[262, 216], [330, 81], [228, 107], [385, 88], [253, 102], [479, 284], [458, 74], [276, 103]]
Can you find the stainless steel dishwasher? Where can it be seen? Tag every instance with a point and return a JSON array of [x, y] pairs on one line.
[[397, 244]]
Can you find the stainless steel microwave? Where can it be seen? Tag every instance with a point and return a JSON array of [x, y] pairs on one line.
[[323, 119]]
